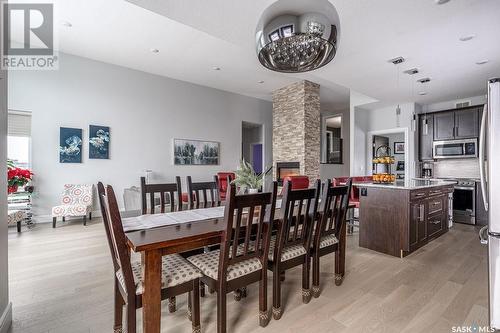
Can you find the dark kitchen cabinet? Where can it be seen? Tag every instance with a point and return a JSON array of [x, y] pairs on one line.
[[444, 126], [467, 124], [399, 221], [435, 225], [460, 124], [418, 226], [414, 222], [426, 137]]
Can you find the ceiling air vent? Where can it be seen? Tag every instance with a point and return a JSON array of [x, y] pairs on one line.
[[462, 104]]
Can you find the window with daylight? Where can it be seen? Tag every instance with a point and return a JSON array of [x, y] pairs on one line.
[[19, 138]]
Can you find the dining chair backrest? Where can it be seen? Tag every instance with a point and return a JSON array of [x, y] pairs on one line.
[[248, 219], [101, 192], [197, 191], [334, 205], [297, 214], [174, 190], [118, 239]]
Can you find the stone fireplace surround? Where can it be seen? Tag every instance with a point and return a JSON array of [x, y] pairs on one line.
[[296, 128]]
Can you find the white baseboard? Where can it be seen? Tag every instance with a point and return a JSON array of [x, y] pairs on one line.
[[48, 218], [6, 319]]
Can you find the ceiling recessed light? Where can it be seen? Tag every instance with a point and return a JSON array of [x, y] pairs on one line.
[[411, 71], [261, 81], [441, 2], [422, 93], [397, 61], [482, 62], [466, 38], [155, 50], [66, 24], [424, 80], [215, 68]]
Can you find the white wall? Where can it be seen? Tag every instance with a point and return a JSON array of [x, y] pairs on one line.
[[475, 100], [359, 143], [5, 307], [144, 113], [329, 171], [379, 120], [357, 132]]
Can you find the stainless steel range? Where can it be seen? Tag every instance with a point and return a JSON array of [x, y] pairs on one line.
[[464, 201]]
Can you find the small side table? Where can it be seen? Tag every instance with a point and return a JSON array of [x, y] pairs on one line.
[[16, 217], [19, 206]]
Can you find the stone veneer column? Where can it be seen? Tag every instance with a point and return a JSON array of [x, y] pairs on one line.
[[296, 127]]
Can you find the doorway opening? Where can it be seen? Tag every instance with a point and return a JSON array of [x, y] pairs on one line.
[[252, 145], [391, 142]]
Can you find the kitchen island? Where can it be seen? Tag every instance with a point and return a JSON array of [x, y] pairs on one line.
[[400, 217]]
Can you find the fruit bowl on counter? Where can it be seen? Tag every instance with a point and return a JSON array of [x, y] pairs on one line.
[[384, 178], [384, 160], [383, 156]]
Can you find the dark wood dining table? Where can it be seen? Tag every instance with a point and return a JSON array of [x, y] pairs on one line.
[[157, 242]]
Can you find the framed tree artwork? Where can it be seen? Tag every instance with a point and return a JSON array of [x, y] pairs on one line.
[[196, 152]]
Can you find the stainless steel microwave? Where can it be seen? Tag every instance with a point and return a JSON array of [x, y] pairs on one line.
[[466, 148]]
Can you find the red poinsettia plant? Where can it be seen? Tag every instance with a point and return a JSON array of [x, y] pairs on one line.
[[17, 177]]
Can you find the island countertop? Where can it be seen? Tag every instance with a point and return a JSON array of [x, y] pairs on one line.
[[412, 184]]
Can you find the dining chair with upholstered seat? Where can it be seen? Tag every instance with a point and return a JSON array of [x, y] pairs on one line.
[[198, 193], [330, 232], [289, 248], [178, 275], [161, 191], [242, 257]]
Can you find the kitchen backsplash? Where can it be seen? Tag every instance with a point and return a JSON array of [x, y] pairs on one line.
[[461, 168]]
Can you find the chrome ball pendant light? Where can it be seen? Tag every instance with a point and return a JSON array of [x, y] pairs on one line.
[[298, 42]]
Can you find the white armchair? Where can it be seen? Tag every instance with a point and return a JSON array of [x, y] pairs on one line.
[[76, 201]]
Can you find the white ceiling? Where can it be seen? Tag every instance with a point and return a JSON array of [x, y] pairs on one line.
[[194, 36]]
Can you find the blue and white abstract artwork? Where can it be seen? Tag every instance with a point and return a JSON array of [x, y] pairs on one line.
[[70, 145], [99, 142]]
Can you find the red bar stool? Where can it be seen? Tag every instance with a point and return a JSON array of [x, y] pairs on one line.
[[352, 221], [223, 181]]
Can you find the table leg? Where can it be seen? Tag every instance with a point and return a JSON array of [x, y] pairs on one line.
[[350, 220], [151, 297]]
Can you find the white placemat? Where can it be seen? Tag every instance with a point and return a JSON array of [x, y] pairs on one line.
[[160, 220], [150, 221]]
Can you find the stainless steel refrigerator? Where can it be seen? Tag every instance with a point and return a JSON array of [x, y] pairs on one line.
[[489, 160]]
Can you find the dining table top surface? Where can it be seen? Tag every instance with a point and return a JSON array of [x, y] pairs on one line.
[[175, 235], [178, 234]]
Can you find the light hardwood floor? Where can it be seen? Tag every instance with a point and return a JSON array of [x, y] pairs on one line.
[[61, 281]]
